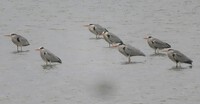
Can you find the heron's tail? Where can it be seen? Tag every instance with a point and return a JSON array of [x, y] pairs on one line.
[[59, 60], [189, 62], [167, 45]]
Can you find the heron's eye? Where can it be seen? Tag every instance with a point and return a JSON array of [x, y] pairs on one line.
[[173, 55], [123, 48], [150, 37], [41, 47]]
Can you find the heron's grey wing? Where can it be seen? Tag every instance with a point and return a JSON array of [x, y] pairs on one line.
[[99, 29], [132, 51], [114, 39], [178, 56], [22, 40], [98, 26], [160, 44], [51, 57]]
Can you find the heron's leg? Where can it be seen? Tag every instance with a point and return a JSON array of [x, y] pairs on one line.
[[17, 49], [155, 51], [46, 63], [179, 64], [21, 48], [111, 44], [97, 36], [176, 64], [129, 59]]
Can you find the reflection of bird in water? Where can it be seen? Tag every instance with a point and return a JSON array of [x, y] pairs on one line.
[[129, 51], [18, 40], [95, 29], [47, 56], [177, 57], [111, 38], [156, 43]]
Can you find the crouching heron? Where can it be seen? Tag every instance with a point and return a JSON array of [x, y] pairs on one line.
[[177, 57], [129, 51], [156, 43], [19, 41], [47, 56], [95, 29]]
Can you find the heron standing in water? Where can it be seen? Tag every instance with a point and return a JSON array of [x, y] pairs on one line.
[[156, 43], [129, 51], [177, 57], [19, 41], [95, 29], [47, 56], [111, 38]]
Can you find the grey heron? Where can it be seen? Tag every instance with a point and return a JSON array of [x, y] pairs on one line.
[[177, 57], [47, 56], [18, 40], [95, 29], [156, 43], [129, 51], [111, 38]]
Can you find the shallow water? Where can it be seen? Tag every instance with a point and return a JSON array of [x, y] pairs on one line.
[[92, 73]]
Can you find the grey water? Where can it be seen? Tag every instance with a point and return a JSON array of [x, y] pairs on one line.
[[92, 73]]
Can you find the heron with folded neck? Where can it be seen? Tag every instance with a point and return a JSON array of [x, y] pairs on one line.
[[111, 38], [47, 56], [96, 29], [18, 40], [129, 51], [177, 57], [156, 44]]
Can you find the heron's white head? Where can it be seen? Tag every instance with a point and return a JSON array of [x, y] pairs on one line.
[[88, 25], [148, 37], [39, 49]]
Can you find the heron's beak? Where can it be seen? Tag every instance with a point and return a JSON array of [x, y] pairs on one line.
[[86, 25], [37, 49], [145, 38], [7, 35]]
